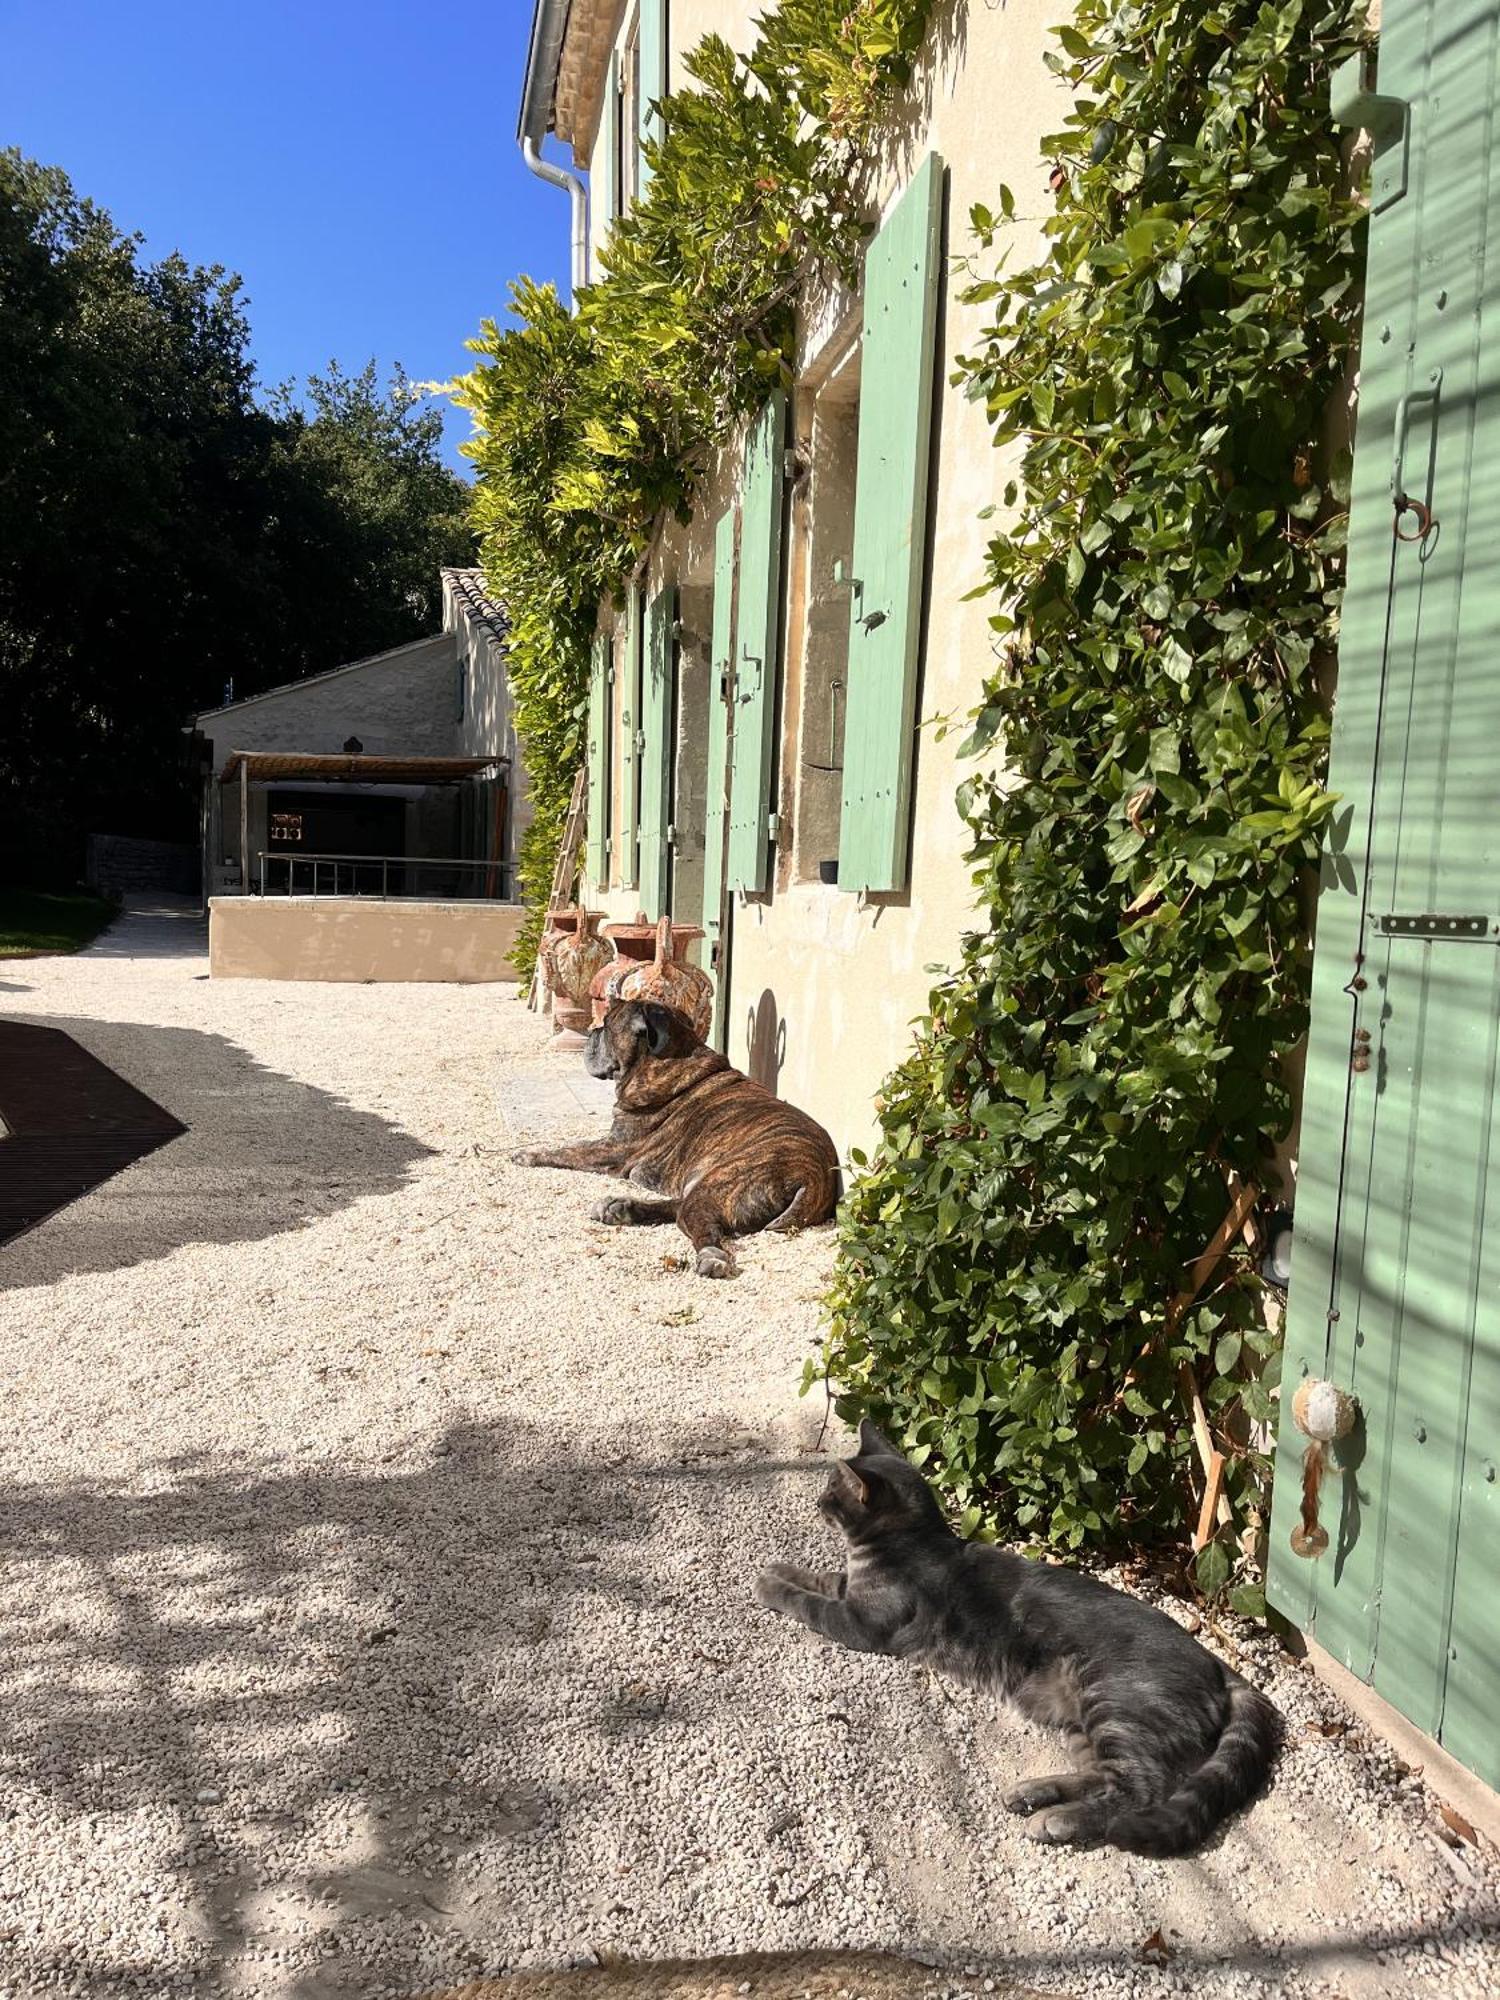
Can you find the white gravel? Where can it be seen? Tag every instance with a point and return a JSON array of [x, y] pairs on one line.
[[375, 1606]]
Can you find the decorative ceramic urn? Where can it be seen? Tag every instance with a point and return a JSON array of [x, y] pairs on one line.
[[632, 945], [560, 924], [666, 977], [569, 962]]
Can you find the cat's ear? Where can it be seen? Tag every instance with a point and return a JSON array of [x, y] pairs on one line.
[[857, 1479], [873, 1442]]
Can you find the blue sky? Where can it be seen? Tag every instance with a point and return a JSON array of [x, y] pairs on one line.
[[356, 164]]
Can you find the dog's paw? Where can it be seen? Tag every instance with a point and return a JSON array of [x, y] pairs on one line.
[[716, 1263]]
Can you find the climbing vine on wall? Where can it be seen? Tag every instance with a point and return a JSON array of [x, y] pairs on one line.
[[1054, 1153], [588, 426]]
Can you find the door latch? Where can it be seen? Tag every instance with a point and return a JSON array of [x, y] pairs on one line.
[[1435, 927]]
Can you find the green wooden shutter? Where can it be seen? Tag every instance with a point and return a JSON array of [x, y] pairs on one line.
[[759, 635], [721, 659], [609, 146], [652, 45], [630, 744], [903, 270], [656, 750], [597, 852]]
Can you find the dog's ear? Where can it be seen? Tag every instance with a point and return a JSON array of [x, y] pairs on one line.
[[657, 1024], [873, 1443]]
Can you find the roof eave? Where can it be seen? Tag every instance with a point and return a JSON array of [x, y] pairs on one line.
[[549, 23]]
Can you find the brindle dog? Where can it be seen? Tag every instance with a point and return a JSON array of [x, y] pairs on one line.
[[728, 1157]]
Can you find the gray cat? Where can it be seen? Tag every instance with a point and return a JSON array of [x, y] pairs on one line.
[[1166, 1740]]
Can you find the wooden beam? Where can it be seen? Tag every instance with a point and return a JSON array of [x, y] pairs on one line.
[[1213, 1497], [1204, 1265]]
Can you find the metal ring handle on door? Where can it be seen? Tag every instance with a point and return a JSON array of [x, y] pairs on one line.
[[1401, 500]]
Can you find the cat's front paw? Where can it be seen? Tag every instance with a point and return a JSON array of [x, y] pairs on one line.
[[525, 1158], [770, 1587]]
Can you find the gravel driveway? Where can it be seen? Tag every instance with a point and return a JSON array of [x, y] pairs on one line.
[[375, 1605]]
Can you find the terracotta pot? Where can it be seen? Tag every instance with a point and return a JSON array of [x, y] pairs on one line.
[[669, 980], [560, 924], [632, 946], [574, 959]]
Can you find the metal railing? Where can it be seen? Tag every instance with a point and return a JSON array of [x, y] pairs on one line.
[[385, 878]]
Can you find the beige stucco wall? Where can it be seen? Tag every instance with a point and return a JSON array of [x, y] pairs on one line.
[[345, 938], [824, 985]]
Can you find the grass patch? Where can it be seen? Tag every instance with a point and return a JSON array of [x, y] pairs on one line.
[[35, 924]]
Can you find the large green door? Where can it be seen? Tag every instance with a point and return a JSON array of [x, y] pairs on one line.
[[716, 936], [1396, 1265], [755, 666], [626, 874], [597, 856], [658, 706]]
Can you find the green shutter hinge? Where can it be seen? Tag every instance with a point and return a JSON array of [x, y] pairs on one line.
[[773, 828], [671, 836], [640, 741], [1355, 104]]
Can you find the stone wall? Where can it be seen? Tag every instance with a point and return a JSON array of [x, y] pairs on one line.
[[120, 865], [403, 703]]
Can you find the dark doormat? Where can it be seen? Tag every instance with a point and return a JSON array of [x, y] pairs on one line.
[[764, 1975], [69, 1123]]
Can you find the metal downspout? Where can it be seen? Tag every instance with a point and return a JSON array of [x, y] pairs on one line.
[[563, 177]]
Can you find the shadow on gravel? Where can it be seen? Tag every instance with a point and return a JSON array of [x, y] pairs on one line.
[[329, 1683], [306, 1660], [262, 1153]]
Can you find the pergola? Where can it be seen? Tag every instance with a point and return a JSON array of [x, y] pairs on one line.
[[339, 767]]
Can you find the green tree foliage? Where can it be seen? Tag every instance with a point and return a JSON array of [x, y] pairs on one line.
[[1112, 1043], [589, 426], [162, 532]]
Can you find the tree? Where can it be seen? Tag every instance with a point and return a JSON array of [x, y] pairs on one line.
[[163, 532]]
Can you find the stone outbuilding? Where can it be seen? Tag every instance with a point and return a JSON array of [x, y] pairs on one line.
[[393, 779]]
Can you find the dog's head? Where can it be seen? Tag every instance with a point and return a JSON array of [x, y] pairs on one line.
[[637, 1031], [877, 1492]]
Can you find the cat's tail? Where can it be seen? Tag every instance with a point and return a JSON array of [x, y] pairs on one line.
[[1231, 1775]]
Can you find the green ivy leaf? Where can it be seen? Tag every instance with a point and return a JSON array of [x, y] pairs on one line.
[[1211, 1569]]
